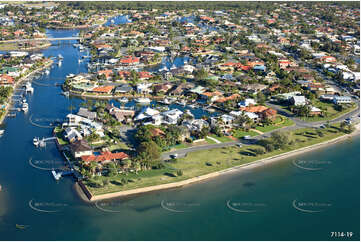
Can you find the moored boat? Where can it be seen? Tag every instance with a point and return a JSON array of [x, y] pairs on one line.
[[123, 100], [143, 100]]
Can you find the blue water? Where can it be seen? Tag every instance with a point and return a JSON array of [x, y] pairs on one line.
[[196, 212], [121, 19]]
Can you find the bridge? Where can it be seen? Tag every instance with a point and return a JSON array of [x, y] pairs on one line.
[[42, 39]]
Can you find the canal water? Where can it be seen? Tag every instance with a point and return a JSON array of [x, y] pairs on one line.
[[280, 201]]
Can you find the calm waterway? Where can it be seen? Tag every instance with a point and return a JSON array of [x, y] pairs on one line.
[[280, 201]]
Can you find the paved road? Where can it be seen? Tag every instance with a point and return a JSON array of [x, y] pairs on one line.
[[298, 124]]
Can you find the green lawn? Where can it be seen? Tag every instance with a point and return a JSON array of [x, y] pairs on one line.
[[207, 161], [239, 134], [332, 113], [222, 139], [58, 134], [280, 122]]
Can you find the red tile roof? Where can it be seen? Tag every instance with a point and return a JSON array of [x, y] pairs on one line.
[[105, 156], [103, 89]]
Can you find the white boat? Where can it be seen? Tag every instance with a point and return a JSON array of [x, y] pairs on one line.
[[36, 141], [143, 100], [60, 56], [47, 72], [173, 67], [59, 63], [57, 176], [25, 107], [123, 100], [182, 102], [2, 132], [65, 94]]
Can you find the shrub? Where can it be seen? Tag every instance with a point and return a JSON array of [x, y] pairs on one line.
[[179, 173]]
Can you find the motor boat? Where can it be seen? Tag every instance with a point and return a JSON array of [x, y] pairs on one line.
[[25, 107], [143, 100], [60, 57], [65, 94], [36, 141], [1, 132], [123, 100]]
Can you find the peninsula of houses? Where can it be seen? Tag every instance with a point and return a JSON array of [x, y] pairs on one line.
[[172, 95]]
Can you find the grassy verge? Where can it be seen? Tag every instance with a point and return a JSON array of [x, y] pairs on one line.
[[207, 161], [222, 139], [280, 122], [239, 134], [332, 113], [58, 134]]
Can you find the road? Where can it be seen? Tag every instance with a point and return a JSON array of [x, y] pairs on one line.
[[298, 124]]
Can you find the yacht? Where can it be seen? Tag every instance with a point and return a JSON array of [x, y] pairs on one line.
[[25, 107], [143, 100], [65, 94], [2, 132], [56, 175], [59, 63], [36, 141], [123, 100], [165, 101], [60, 57], [47, 72]]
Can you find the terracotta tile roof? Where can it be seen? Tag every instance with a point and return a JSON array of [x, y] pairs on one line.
[[129, 60], [6, 79], [224, 99], [104, 89], [105, 156], [254, 109], [211, 94]]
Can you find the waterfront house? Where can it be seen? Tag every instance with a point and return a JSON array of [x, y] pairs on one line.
[[80, 148], [262, 111], [103, 89], [144, 88], [123, 89], [104, 157], [342, 100], [6, 80], [298, 100], [247, 102], [224, 122], [71, 134], [171, 116], [87, 114]]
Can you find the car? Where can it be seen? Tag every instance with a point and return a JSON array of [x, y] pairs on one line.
[[174, 156], [239, 145], [246, 137]]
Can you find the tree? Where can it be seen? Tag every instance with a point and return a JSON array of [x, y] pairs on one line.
[[200, 74], [148, 153], [260, 150], [279, 139]]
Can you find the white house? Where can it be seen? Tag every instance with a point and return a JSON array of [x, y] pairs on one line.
[[298, 100], [247, 102], [172, 116], [144, 88], [342, 99]]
